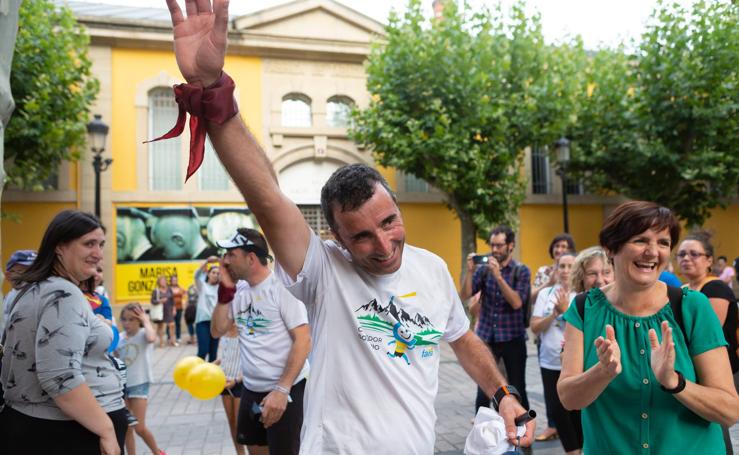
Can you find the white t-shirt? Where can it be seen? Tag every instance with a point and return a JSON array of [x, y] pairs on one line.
[[207, 297], [551, 338], [265, 314], [375, 358], [136, 353]]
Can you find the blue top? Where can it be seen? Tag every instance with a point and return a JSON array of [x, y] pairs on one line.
[[633, 414], [670, 279]]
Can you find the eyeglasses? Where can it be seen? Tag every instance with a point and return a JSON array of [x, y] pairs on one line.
[[692, 254]]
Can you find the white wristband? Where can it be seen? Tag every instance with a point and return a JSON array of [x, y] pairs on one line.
[[281, 389]]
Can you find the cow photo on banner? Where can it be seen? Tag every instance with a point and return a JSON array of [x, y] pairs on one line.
[[167, 241]]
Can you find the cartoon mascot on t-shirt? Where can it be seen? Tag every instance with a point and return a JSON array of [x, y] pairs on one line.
[[250, 324], [404, 340]]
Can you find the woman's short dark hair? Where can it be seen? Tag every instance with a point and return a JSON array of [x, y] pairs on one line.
[[348, 188], [634, 217], [66, 226], [560, 238]]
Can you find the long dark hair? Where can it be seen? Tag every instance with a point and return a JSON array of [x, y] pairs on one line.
[[65, 227]]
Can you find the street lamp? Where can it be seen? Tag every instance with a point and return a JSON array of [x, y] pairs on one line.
[[563, 158], [97, 131]]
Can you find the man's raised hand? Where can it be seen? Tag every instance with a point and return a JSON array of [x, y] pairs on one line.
[[200, 39]]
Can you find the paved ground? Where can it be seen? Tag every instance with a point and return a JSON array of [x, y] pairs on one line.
[[186, 426]]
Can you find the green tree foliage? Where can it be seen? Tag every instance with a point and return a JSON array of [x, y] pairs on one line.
[[455, 102], [53, 88], [662, 125]]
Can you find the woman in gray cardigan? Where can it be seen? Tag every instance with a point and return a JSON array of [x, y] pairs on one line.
[[62, 391]]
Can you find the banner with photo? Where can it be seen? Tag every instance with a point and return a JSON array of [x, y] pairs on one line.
[[169, 240]]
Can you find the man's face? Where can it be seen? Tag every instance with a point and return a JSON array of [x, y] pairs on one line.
[[236, 261], [374, 233], [499, 249]]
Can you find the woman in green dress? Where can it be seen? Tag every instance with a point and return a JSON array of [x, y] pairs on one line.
[[646, 384]]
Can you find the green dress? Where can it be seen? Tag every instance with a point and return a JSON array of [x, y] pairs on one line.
[[633, 415]]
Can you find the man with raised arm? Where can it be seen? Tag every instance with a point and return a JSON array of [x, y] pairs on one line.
[[377, 307]]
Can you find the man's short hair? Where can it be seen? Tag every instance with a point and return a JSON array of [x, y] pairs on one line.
[[723, 257], [510, 237], [348, 188]]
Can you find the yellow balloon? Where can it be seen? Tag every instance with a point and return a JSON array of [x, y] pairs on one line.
[[183, 367], [206, 381]]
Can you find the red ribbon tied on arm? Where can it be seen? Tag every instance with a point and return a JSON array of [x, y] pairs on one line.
[[215, 103]]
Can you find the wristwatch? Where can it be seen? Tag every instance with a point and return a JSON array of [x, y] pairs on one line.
[[502, 392], [679, 387]]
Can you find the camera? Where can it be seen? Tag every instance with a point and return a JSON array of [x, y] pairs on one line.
[[480, 259]]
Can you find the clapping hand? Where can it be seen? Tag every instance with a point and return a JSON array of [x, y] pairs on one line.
[[200, 39], [663, 357], [563, 301], [609, 353]]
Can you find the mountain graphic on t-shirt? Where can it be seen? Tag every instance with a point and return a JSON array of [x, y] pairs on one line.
[[254, 312], [398, 314], [380, 318]]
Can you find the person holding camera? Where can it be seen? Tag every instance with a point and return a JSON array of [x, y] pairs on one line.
[[504, 286]]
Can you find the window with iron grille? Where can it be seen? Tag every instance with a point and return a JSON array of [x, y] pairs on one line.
[[52, 181], [314, 217], [540, 172], [574, 187], [213, 176], [164, 156]]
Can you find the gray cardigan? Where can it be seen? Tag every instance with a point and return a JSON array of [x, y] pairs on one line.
[[53, 344]]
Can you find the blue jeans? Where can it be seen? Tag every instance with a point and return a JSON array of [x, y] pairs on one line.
[[207, 345], [178, 324]]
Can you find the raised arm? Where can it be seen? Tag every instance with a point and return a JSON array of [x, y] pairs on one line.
[[200, 46], [713, 396], [221, 321]]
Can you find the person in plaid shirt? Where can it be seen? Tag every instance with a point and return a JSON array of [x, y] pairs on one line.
[[505, 286]]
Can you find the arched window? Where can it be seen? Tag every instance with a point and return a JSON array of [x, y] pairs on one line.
[[338, 111], [296, 110], [165, 172]]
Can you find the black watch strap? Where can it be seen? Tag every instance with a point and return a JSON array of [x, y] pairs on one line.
[[502, 392], [680, 384]]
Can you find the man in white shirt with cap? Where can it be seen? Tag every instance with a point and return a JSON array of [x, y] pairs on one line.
[[274, 341]]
